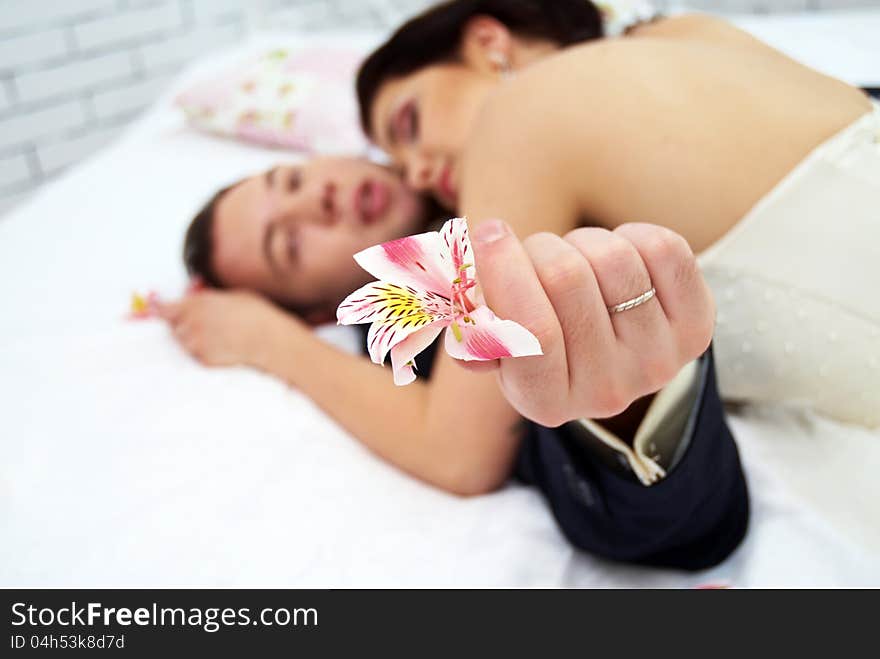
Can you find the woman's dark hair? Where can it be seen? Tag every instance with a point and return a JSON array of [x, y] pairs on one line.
[[198, 245], [435, 36]]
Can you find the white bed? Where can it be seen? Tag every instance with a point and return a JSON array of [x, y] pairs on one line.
[[122, 462]]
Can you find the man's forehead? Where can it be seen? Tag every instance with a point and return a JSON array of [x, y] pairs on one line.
[[236, 220], [241, 203]]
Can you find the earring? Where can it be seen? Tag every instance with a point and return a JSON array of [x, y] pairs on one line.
[[502, 64]]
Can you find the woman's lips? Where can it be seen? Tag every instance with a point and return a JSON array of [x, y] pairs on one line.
[[371, 201], [446, 186]]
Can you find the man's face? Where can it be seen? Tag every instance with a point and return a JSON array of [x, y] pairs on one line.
[[290, 232]]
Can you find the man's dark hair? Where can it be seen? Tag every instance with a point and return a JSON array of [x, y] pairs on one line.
[[198, 246], [435, 36]]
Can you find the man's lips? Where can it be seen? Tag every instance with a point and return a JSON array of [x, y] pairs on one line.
[[371, 201]]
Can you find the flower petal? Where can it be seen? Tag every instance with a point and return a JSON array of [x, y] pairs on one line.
[[379, 301], [384, 335], [490, 338], [403, 353], [454, 236], [415, 261]]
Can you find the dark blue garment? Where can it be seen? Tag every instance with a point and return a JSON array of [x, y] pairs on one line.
[[692, 519]]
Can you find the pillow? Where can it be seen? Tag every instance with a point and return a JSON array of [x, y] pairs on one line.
[[301, 100], [620, 15]]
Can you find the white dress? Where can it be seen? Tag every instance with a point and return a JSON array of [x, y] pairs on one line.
[[797, 285]]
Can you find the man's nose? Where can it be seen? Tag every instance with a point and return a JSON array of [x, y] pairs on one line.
[[320, 206]]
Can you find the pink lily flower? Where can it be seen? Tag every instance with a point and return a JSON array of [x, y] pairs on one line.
[[423, 288]]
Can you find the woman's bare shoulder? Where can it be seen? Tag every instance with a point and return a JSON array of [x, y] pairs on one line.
[[696, 27], [556, 105], [521, 161]]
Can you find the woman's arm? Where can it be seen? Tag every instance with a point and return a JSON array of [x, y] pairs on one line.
[[455, 431]]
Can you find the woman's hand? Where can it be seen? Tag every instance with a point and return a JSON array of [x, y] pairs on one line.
[[226, 328], [595, 363]]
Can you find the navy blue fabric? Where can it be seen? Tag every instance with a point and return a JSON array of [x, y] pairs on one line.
[[692, 519]]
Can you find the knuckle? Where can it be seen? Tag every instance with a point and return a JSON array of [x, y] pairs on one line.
[[608, 401], [537, 242], [585, 234], [669, 250], [666, 245], [544, 326], [562, 272], [614, 256]]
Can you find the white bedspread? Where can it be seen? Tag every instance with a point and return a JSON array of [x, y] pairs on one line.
[[122, 462]]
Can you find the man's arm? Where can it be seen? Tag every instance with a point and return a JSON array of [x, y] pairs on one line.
[[692, 519], [455, 431]]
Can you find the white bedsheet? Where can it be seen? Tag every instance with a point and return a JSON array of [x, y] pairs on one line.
[[122, 462]]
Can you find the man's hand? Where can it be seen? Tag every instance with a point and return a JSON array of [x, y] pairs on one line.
[[226, 328], [595, 363]]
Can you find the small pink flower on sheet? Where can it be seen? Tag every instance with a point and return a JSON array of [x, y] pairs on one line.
[[143, 307], [146, 306], [423, 288]]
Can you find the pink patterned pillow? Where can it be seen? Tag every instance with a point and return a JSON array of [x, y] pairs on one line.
[[300, 100]]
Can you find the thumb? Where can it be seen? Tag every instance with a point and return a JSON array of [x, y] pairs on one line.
[[506, 275], [513, 291]]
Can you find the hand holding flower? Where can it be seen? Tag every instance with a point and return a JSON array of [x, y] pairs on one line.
[[424, 287]]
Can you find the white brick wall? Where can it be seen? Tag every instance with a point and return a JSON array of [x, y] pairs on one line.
[[18, 52], [74, 72], [129, 98], [73, 76], [19, 14], [129, 27], [206, 10], [174, 51], [26, 129], [14, 171], [54, 157]]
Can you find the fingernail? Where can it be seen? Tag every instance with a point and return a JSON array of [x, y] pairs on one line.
[[490, 231]]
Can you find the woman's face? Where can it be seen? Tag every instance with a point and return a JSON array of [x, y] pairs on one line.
[[423, 121], [290, 232]]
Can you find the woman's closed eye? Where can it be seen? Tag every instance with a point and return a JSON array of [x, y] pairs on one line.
[[405, 127]]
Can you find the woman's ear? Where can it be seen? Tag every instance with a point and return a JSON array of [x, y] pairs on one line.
[[487, 45]]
